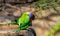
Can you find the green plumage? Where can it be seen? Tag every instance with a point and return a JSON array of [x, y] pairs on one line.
[[24, 19], [23, 22]]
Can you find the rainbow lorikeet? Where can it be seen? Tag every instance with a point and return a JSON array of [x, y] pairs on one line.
[[24, 21]]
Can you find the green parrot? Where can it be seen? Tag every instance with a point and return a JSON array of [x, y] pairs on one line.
[[24, 21]]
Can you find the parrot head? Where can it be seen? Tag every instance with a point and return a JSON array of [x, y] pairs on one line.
[[30, 15]]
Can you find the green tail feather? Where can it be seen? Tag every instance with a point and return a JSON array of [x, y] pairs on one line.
[[12, 23]]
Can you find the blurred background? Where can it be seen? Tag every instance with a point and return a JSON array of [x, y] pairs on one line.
[[47, 14]]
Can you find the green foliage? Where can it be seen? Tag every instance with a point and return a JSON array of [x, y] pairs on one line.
[[54, 29], [45, 4]]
